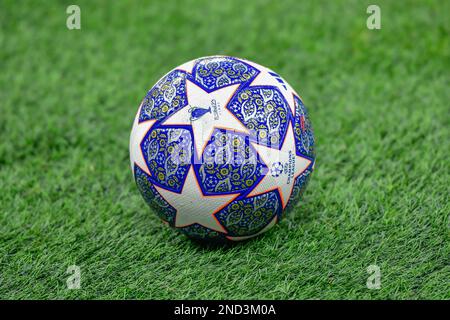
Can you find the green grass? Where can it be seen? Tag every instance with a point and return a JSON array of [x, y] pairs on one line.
[[378, 100]]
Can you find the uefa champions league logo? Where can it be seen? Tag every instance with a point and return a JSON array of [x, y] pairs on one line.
[[288, 168]]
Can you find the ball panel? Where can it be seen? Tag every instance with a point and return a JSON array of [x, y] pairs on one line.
[[264, 112], [299, 187], [166, 97], [229, 164], [160, 206], [304, 137], [248, 216], [168, 153], [199, 232], [217, 72]]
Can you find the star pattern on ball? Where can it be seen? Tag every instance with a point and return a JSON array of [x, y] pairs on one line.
[[138, 133], [293, 164], [192, 206], [206, 112]]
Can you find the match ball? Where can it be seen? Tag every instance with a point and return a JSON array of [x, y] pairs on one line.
[[221, 148]]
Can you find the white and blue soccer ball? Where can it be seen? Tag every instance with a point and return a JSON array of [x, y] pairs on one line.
[[221, 148]]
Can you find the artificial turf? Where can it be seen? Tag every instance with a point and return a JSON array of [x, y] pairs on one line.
[[378, 101]]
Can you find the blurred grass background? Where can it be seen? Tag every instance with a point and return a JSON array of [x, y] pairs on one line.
[[378, 100]]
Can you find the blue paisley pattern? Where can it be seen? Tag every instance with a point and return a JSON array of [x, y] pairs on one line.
[[199, 232], [248, 216], [229, 164], [168, 153], [164, 211], [166, 97], [265, 113], [299, 187], [303, 130], [218, 72]]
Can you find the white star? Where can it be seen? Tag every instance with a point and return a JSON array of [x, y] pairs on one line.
[[215, 113], [264, 78], [292, 164], [194, 207], [137, 135]]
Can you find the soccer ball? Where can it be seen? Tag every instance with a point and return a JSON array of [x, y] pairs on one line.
[[221, 148]]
